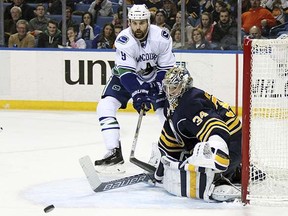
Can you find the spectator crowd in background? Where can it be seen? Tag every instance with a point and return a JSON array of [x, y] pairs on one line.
[[209, 24]]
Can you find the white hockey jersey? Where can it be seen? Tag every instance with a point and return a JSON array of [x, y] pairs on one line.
[[144, 58]]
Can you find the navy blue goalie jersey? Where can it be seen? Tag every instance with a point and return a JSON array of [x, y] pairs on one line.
[[198, 116]]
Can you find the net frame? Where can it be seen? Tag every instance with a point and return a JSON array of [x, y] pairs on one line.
[[279, 58]]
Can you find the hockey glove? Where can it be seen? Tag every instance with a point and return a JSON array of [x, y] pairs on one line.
[[141, 100], [154, 88]]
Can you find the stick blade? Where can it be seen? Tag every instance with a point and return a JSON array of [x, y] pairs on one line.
[[90, 172]]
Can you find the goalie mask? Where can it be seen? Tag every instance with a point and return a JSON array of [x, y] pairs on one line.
[[176, 81]]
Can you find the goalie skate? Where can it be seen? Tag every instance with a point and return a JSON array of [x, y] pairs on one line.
[[226, 193]]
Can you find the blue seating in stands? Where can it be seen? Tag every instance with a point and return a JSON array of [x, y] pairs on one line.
[[58, 18], [277, 30], [55, 17], [82, 7], [77, 19], [115, 8], [88, 44], [97, 29], [35, 4], [115, 1], [102, 20]]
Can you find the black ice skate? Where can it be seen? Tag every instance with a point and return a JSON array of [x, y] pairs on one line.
[[113, 157]]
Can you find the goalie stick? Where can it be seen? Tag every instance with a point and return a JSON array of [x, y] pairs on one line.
[[147, 167], [98, 186]]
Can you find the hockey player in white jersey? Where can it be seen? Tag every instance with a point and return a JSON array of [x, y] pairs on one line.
[[143, 55]]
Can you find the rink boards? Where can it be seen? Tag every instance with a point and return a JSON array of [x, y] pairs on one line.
[[74, 80]]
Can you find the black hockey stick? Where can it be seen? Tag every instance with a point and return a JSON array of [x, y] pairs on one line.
[[149, 168], [98, 186]]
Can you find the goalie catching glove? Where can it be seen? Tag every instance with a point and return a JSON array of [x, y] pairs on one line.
[[213, 154]]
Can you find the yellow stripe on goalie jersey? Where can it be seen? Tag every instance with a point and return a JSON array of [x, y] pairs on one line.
[[208, 127], [206, 124], [169, 143], [168, 140], [234, 125]]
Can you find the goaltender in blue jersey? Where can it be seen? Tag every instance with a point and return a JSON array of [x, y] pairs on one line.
[[200, 142], [143, 55]]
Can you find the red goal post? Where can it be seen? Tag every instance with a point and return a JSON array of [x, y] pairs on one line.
[[265, 122]]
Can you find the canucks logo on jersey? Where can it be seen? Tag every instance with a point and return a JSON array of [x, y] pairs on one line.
[[123, 39]]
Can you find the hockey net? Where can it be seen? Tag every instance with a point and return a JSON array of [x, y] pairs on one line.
[[265, 122]]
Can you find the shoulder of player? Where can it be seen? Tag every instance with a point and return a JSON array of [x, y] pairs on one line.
[[125, 39], [164, 36], [193, 98], [193, 94]]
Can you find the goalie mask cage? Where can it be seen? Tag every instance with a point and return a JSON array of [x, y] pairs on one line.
[[265, 122]]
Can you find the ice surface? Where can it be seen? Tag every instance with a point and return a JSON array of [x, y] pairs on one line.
[[39, 152]]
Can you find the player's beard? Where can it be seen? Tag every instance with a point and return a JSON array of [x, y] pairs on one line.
[[139, 34]]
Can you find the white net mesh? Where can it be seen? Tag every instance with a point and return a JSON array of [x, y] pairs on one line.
[[269, 122]]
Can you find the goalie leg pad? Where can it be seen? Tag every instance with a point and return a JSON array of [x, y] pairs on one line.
[[188, 180]]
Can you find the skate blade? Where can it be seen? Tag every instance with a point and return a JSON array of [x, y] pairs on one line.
[[114, 169], [226, 193]]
